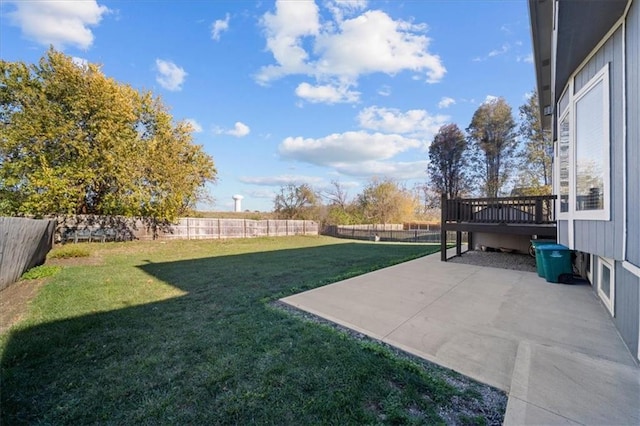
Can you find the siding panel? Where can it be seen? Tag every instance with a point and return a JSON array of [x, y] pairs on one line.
[[563, 232], [605, 238], [627, 302], [633, 133]]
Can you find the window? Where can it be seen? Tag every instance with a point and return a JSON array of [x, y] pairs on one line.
[[563, 164], [582, 150], [606, 283], [592, 146]]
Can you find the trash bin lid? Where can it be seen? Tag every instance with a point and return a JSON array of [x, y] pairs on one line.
[[559, 247]]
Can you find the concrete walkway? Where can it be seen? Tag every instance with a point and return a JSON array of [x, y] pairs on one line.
[[552, 347]]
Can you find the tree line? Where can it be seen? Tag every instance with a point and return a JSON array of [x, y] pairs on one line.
[[493, 154], [74, 141]]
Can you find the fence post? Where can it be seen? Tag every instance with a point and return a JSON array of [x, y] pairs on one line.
[[219, 231]]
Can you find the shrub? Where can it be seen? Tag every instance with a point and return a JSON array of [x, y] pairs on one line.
[[66, 252], [41, 271]]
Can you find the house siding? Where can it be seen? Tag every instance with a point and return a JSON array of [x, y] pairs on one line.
[[627, 306], [605, 238], [633, 133], [563, 232]]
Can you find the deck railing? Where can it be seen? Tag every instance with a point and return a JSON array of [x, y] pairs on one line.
[[536, 209]]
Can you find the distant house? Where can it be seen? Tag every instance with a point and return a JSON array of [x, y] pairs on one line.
[[587, 59]]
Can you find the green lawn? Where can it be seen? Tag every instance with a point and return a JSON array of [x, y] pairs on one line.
[[183, 332]]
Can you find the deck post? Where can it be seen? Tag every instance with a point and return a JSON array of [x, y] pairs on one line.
[[458, 243], [538, 213]]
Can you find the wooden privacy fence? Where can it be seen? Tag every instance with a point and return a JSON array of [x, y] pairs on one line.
[[207, 228], [24, 243], [112, 228]]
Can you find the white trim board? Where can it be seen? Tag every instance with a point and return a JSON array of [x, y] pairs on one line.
[[631, 268]]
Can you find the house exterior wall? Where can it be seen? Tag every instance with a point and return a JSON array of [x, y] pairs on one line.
[[627, 307], [633, 133], [605, 238], [608, 239], [563, 232]]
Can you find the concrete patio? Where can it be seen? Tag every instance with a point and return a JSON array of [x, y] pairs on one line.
[[551, 347]]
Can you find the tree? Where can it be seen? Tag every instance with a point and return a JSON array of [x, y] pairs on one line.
[[75, 141], [535, 168], [447, 162], [296, 202], [384, 201], [493, 142], [339, 210]]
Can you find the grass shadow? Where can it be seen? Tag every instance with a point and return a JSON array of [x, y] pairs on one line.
[[218, 354]]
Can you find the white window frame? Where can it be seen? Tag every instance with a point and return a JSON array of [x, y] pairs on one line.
[[559, 213], [602, 76], [609, 301]]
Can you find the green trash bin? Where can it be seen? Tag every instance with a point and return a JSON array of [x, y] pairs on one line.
[[539, 264], [556, 259]]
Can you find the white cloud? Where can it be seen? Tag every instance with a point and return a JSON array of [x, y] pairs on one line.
[[281, 180], [239, 130], [416, 122], [284, 30], [373, 42], [489, 99], [344, 49], [197, 128], [262, 193], [526, 58], [348, 147], [59, 23], [384, 90], [340, 8], [219, 26], [170, 76], [446, 102], [326, 93], [80, 62], [497, 52], [393, 170]]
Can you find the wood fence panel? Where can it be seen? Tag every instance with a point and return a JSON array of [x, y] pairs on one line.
[[24, 243]]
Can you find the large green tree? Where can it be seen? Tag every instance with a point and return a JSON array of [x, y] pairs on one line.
[[535, 168], [76, 141], [448, 162], [296, 202], [385, 201], [493, 142]]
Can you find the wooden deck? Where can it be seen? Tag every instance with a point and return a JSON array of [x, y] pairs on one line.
[[528, 215]]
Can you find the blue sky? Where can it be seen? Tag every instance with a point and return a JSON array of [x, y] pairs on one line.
[[296, 91]]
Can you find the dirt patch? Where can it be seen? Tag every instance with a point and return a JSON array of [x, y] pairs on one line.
[[15, 299], [76, 261], [514, 261]]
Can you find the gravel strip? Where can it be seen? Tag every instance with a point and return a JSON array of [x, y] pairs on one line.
[[518, 262]]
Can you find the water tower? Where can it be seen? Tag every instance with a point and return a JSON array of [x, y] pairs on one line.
[[237, 203]]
